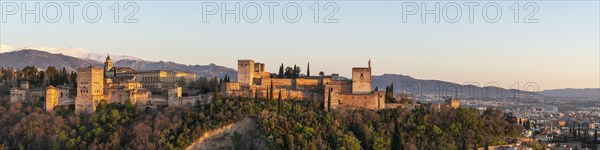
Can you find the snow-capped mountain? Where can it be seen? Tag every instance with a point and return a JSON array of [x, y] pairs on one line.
[[73, 52]]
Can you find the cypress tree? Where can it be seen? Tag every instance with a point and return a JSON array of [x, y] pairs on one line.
[[396, 137], [329, 100], [267, 98], [392, 88], [389, 93], [290, 142], [271, 96], [293, 105], [256, 95], [308, 69], [216, 95], [279, 105], [281, 71], [485, 147], [295, 72], [595, 135]]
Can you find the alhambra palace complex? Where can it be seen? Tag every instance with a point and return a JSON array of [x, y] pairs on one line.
[[119, 85], [254, 81]]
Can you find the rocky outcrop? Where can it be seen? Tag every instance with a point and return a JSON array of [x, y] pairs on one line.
[[225, 137]]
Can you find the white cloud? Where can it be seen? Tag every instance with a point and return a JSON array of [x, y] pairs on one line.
[[6, 48]]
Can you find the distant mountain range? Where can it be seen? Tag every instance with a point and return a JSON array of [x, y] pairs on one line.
[[407, 84], [23, 58], [590, 93], [210, 70], [42, 59], [74, 52], [402, 83]]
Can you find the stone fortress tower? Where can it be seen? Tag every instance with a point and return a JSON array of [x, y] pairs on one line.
[[245, 72], [90, 89], [361, 80]]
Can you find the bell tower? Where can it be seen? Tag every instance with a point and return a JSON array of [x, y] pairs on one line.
[[108, 64]]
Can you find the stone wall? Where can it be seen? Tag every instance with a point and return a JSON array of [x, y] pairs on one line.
[[191, 101], [277, 82], [374, 100], [307, 82]]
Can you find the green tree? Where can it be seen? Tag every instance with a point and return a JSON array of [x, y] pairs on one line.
[[267, 98], [102, 105], [237, 140], [348, 142], [217, 93], [281, 73], [256, 95], [289, 72], [290, 142], [389, 93], [52, 76], [485, 147], [595, 135], [397, 141], [271, 92], [329, 100]]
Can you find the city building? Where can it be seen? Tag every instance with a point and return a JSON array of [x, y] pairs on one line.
[[454, 103]]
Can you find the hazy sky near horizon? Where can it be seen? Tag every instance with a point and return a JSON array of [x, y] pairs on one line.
[[561, 50]]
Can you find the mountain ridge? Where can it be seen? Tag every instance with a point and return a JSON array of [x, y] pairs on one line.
[[588, 93], [73, 52], [42, 59]]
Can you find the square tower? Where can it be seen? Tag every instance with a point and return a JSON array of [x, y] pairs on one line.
[[90, 89], [245, 72], [361, 80], [259, 69]]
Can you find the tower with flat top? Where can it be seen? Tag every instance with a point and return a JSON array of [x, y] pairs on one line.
[[361, 80], [245, 72], [90, 89]]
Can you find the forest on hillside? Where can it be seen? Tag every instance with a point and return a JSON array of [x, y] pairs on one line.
[[284, 124]]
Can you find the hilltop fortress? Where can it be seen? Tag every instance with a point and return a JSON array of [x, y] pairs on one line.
[[333, 92], [152, 88]]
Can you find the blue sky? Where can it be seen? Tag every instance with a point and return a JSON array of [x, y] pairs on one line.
[[561, 50]]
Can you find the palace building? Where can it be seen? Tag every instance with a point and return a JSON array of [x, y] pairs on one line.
[[119, 85], [254, 81]]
